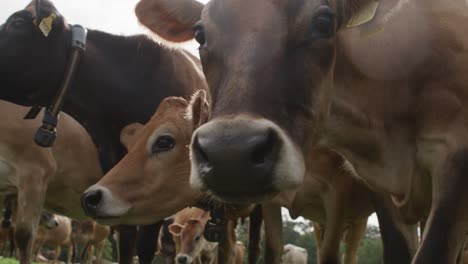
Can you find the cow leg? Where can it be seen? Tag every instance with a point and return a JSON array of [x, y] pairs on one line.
[[32, 186], [353, 238], [273, 233], [318, 234], [399, 239], [58, 250], [90, 251], [446, 226], [226, 245], [127, 241], [255, 226], [147, 242], [332, 234], [70, 253], [99, 249]]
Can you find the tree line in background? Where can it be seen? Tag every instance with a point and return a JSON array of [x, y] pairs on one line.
[[301, 234]]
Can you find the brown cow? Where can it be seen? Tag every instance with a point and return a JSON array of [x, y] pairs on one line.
[[53, 178], [388, 95], [55, 231], [187, 230], [92, 236]]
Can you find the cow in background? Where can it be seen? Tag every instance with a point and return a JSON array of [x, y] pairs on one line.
[[294, 255], [54, 231], [187, 230], [92, 237]]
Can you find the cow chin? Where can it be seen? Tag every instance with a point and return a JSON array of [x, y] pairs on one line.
[[244, 160], [99, 203]]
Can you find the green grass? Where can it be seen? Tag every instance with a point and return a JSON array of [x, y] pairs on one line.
[[14, 261]]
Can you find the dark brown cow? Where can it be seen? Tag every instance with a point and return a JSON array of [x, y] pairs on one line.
[[383, 83]]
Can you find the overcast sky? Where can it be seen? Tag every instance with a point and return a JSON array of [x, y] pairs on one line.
[[113, 16]]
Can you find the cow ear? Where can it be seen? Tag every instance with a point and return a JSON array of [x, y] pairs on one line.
[[130, 134], [172, 20], [358, 12], [199, 108], [176, 229], [47, 18]]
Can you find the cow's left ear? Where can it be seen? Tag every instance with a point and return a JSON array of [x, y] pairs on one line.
[[199, 109], [130, 133], [176, 229]]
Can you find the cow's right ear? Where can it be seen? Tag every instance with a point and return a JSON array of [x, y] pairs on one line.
[[172, 20], [129, 134], [176, 229], [199, 109]]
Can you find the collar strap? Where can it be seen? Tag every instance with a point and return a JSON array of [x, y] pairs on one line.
[[46, 134]]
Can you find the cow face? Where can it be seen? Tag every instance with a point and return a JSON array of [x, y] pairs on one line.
[[152, 181], [191, 239], [48, 220], [31, 57], [269, 67]]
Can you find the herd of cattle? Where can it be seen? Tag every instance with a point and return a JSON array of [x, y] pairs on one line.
[[333, 109]]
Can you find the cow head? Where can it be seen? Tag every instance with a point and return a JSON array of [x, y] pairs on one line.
[[152, 180], [48, 220], [34, 45], [269, 67], [192, 241]]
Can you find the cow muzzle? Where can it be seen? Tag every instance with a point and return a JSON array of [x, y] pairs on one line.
[[99, 203], [244, 160]]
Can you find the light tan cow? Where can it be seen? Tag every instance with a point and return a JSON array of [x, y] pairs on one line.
[[51, 178], [382, 83], [294, 255], [92, 237], [55, 235], [187, 230]]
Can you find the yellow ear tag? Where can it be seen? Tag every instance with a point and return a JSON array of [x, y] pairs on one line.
[[364, 15], [46, 24]]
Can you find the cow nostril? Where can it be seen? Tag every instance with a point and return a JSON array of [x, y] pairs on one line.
[[264, 148], [93, 199]]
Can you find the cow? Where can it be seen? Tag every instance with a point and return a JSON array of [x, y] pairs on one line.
[[294, 255], [92, 237], [187, 229], [381, 83], [34, 178], [54, 231], [113, 74]]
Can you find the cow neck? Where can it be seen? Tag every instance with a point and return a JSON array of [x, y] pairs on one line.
[[119, 81]]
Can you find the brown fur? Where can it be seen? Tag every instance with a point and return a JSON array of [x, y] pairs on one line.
[[92, 237]]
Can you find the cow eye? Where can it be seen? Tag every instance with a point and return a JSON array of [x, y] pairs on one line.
[[18, 22], [323, 24], [162, 143], [199, 34], [197, 238]]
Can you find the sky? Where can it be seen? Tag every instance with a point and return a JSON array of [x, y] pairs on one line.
[[113, 16]]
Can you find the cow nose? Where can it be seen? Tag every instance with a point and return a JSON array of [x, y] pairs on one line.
[[56, 223], [91, 200], [236, 159], [182, 259]]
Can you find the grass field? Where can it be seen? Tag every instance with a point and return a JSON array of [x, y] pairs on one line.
[[14, 261]]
